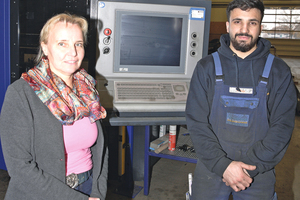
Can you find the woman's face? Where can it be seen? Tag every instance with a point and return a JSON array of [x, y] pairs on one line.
[[65, 49]]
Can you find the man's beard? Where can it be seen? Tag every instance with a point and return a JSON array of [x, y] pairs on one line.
[[242, 46]]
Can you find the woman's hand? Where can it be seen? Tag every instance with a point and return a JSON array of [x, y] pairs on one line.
[[93, 198]]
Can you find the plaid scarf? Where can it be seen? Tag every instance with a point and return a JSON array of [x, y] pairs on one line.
[[66, 104]]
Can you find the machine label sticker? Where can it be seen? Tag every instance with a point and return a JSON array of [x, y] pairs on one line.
[[123, 69], [197, 14]]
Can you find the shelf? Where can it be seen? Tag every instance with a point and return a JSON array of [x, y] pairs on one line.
[[186, 156], [180, 155]]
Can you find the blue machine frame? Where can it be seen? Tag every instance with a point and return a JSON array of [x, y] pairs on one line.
[[4, 57]]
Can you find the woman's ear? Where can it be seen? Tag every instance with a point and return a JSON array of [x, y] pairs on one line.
[[44, 48]]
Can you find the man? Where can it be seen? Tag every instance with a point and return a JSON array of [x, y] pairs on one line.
[[240, 111]]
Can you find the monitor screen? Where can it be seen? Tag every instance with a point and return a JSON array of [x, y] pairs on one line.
[[147, 40], [150, 43]]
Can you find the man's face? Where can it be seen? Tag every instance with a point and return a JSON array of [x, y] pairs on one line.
[[244, 27]]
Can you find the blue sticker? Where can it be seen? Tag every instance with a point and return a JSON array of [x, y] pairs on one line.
[[237, 119], [101, 4], [197, 14]]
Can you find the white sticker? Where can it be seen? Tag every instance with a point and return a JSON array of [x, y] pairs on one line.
[[198, 14], [123, 69], [243, 90]]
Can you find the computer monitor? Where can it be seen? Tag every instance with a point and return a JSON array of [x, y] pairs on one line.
[[149, 42]]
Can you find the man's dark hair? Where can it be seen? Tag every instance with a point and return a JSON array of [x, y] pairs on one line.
[[245, 5]]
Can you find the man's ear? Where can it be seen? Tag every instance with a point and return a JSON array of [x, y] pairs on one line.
[[227, 26], [261, 27]]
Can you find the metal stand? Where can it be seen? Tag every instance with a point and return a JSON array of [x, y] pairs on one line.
[[179, 155], [128, 188]]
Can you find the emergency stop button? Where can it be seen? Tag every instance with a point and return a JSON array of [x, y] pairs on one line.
[[107, 31]]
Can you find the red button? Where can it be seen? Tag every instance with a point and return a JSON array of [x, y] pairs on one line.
[[107, 31]]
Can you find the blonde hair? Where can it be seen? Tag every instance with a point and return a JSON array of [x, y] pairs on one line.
[[63, 17]]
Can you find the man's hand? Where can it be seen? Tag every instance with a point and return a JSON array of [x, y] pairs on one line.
[[92, 198], [236, 175]]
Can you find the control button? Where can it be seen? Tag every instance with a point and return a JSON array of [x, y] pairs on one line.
[[106, 40], [193, 53], [194, 35], [107, 31], [193, 44], [106, 50]]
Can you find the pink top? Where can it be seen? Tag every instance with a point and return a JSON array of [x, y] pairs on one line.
[[78, 139]]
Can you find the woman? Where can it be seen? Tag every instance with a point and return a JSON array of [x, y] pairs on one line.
[[51, 136]]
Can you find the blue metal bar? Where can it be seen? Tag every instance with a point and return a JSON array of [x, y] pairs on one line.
[[146, 161], [184, 159], [4, 57], [130, 141]]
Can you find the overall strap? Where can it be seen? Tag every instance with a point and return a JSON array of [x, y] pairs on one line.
[[218, 67], [267, 69]]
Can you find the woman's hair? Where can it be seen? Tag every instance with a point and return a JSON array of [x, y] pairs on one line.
[[245, 5], [63, 17]]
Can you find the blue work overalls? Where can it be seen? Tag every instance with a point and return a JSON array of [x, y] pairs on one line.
[[239, 119]]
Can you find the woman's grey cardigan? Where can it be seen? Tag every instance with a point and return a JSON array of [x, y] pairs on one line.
[[33, 148]]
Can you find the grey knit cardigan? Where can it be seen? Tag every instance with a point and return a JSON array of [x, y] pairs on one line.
[[33, 148]]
